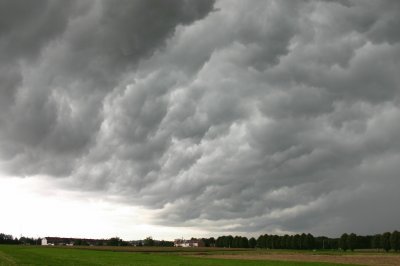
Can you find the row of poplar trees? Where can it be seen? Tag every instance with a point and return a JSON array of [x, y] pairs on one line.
[[303, 241], [387, 241]]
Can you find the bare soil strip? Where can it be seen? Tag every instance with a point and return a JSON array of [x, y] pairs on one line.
[[375, 260]]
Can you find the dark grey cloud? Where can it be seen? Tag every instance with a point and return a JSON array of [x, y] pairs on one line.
[[24, 29], [269, 116], [60, 61]]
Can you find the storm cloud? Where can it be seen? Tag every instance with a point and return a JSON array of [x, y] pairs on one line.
[[261, 116]]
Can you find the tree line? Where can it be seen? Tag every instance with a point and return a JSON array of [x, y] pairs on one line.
[[8, 239], [150, 242], [386, 241]]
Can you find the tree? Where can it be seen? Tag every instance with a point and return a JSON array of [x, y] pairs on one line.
[[343, 242], [376, 242], [285, 241], [276, 242], [364, 242], [8, 239], [164, 243], [244, 242], [385, 241], [114, 241], [303, 241], [220, 242], [261, 241], [289, 242], [148, 241], [296, 241], [310, 241], [211, 241], [252, 242], [229, 241], [352, 241], [268, 241], [395, 241], [236, 242], [225, 241]]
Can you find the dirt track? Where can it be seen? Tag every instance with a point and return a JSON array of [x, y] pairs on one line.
[[376, 260]]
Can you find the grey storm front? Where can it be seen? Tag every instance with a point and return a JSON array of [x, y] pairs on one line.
[[225, 116]]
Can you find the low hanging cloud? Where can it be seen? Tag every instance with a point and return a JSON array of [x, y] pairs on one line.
[[269, 116]]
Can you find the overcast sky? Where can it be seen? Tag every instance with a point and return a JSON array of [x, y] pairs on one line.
[[199, 118]]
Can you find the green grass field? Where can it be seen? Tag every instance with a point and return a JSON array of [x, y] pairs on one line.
[[36, 255]]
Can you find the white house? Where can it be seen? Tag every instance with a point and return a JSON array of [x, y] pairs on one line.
[[188, 243]]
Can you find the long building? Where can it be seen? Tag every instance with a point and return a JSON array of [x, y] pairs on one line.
[[65, 241]]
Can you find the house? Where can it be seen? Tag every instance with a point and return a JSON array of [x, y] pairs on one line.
[[44, 242], [188, 243]]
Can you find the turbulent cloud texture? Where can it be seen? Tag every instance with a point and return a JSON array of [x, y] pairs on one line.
[[260, 116]]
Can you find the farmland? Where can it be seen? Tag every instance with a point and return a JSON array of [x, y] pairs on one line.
[[37, 255]]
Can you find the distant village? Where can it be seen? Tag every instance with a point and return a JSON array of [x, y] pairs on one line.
[[114, 241], [64, 241]]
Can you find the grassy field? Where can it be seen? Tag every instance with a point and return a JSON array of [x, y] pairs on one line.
[[37, 255]]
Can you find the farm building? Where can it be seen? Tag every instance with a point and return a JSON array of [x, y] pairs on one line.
[[65, 241], [52, 241], [188, 243]]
